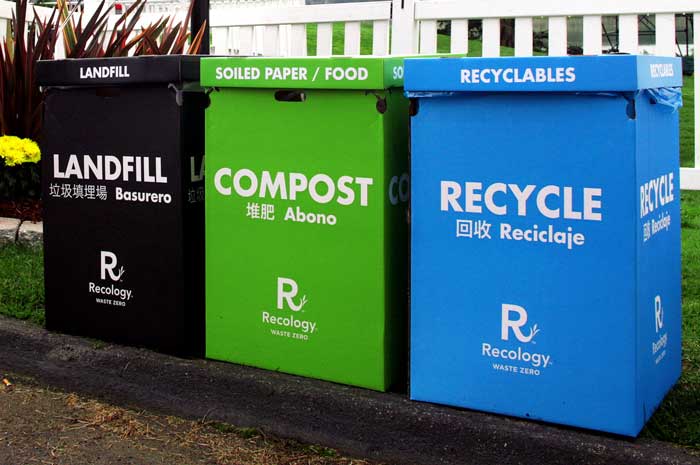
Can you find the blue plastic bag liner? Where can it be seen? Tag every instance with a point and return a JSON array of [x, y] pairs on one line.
[[668, 97], [545, 242], [607, 73]]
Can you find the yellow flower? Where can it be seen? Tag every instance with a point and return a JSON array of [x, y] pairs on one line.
[[15, 151]]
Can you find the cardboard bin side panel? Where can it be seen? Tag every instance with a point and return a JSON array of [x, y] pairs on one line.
[[192, 140], [523, 256], [658, 232], [397, 182], [111, 188], [294, 228]]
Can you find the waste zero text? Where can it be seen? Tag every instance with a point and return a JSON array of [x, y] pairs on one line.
[[285, 324], [109, 289], [521, 359]]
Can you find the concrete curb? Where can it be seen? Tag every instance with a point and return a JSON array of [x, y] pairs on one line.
[[8, 230], [24, 232], [358, 422]]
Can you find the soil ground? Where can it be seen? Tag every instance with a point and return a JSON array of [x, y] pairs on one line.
[[43, 426]]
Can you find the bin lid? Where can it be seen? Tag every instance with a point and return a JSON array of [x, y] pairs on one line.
[[605, 73], [364, 73], [118, 70]]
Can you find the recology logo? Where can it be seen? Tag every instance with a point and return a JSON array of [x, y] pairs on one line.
[[658, 347], [287, 290], [287, 325], [111, 271], [514, 319]]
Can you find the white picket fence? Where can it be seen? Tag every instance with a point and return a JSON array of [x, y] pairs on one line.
[[281, 31], [175, 6], [154, 10], [6, 10], [407, 27]]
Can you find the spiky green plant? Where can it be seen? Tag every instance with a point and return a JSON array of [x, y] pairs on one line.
[[20, 96], [20, 99], [163, 37]]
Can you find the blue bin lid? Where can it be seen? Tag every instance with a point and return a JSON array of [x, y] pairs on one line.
[[606, 73]]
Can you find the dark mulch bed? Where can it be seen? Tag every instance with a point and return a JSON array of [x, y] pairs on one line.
[[25, 209]]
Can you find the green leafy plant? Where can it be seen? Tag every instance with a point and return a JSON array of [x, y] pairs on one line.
[[21, 100], [20, 97], [19, 173], [20, 182], [19, 170]]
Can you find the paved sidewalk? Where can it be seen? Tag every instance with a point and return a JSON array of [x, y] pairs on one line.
[[358, 422]]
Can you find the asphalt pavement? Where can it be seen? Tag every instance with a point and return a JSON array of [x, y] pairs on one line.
[[378, 426]]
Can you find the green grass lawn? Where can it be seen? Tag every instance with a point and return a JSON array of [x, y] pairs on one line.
[[22, 283], [687, 128], [678, 418]]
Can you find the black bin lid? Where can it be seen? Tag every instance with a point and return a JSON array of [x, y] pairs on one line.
[[118, 70]]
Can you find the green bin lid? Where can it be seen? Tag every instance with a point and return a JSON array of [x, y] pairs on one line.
[[364, 73]]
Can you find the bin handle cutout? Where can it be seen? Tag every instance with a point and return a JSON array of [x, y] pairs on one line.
[[413, 107], [290, 96], [631, 109], [381, 101]]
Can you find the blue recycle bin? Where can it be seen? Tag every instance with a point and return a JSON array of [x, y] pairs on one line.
[[545, 256]]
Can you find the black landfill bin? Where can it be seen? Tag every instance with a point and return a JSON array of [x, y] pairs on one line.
[[122, 147]]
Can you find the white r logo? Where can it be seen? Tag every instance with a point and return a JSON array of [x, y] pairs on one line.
[[287, 289], [658, 313], [515, 325], [108, 262]]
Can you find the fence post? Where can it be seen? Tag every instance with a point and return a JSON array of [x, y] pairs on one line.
[[200, 16], [404, 35]]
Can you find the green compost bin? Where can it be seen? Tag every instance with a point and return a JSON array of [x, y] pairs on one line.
[[307, 216]]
